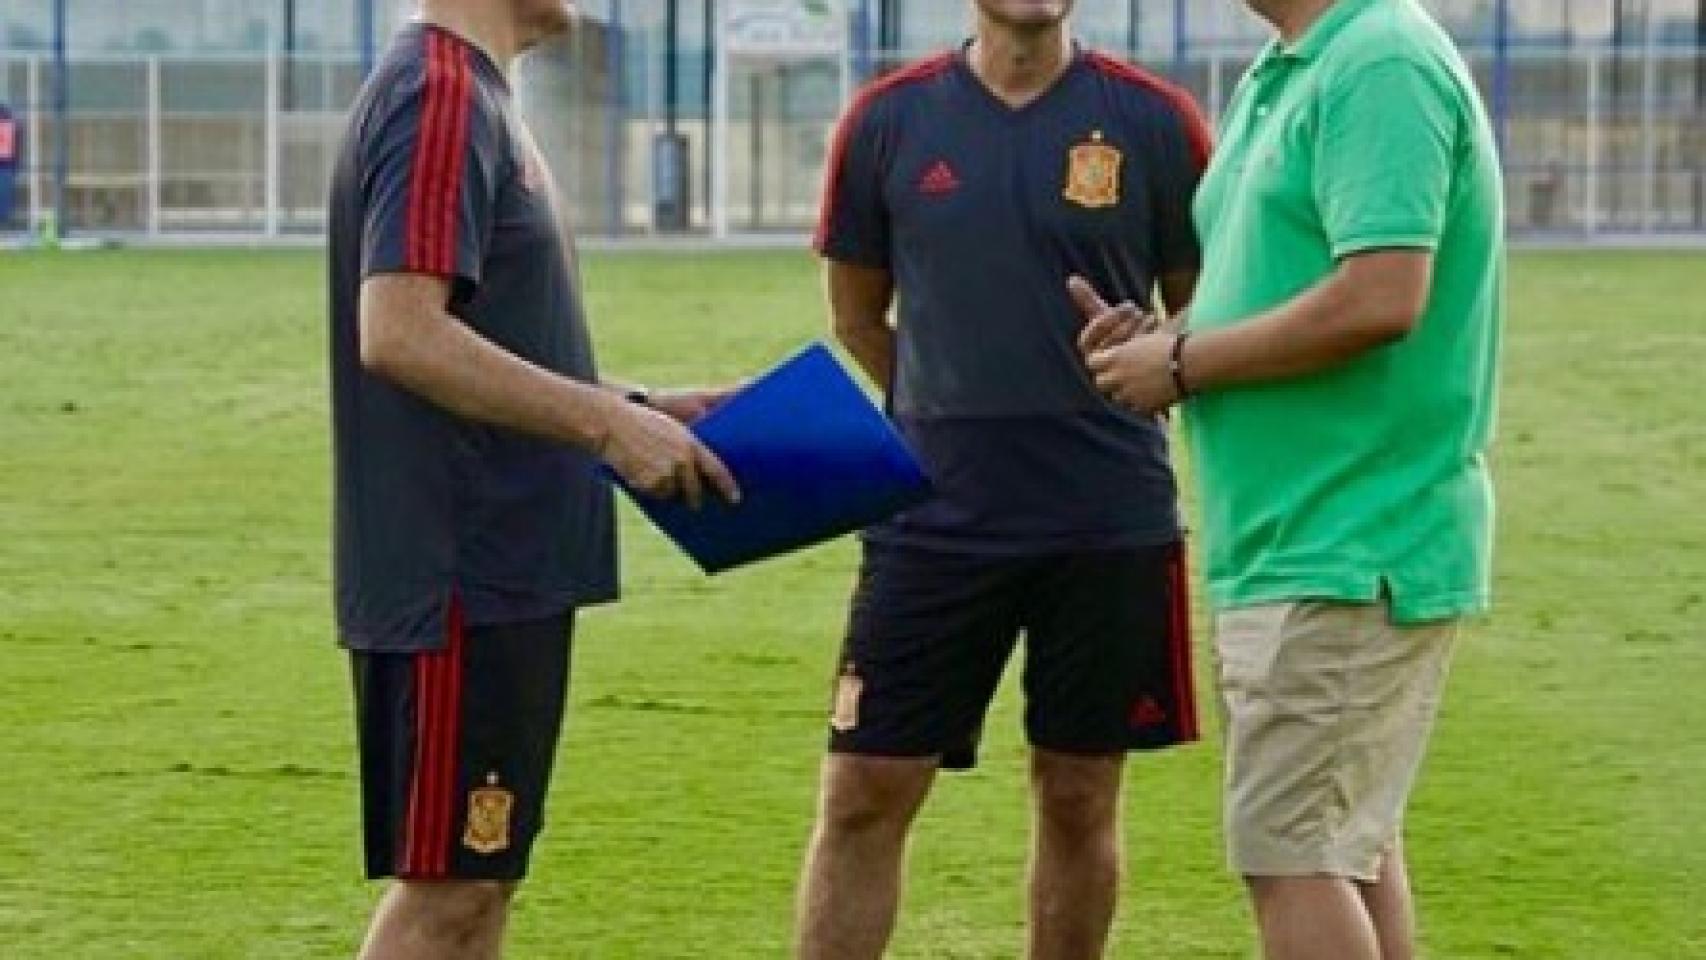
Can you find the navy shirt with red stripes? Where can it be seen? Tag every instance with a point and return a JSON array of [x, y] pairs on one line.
[[981, 212], [436, 176]]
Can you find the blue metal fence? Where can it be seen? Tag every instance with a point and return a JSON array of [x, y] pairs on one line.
[[1599, 136]]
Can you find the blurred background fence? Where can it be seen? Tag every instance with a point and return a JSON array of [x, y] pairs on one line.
[[220, 118]]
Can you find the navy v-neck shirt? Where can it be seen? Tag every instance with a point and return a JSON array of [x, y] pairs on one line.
[[436, 176], [981, 212]]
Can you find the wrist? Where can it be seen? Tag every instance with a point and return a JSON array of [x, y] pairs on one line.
[[1182, 384], [609, 409]]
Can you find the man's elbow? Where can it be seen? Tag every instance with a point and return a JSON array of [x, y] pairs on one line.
[[1387, 293], [1383, 312], [1389, 323], [383, 352], [851, 330]]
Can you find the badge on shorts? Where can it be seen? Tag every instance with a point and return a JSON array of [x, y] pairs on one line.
[[845, 718], [489, 809], [1093, 173]]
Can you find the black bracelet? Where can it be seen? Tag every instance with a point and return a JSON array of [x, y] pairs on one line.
[[639, 396], [1176, 366]]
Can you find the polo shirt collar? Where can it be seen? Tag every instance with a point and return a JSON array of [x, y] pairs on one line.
[[1321, 33]]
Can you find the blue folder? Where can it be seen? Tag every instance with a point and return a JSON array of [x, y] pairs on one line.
[[814, 460]]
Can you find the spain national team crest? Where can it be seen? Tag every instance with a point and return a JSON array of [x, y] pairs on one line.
[[848, 689], [1093, 173], [489, 809]]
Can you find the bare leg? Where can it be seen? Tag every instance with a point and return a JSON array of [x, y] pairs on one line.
[[1075, 859], [1313, 918], [440, 921], [851, 889], [1391, 906]]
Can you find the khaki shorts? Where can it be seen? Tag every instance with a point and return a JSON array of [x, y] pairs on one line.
[[1328, 711]]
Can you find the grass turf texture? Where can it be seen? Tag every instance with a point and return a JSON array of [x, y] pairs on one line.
[[177, 757]]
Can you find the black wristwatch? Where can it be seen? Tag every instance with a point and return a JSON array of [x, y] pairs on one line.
[[639, 396]]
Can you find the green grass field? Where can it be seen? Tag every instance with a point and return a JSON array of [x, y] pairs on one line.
[[176, 762]]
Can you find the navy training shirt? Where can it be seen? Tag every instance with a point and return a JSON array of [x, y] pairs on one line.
[[437, 176], [981, 212]]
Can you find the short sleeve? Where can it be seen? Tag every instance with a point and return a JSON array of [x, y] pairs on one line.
[[1185, 151], [853, 226], [1384, 154], [432, 167]]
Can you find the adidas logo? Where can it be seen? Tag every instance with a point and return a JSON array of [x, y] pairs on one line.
[[1147, 712], [940, 180]]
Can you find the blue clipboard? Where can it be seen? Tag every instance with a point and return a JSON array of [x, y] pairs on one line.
[[813, 457]]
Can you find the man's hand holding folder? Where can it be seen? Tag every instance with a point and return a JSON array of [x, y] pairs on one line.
[[808, 458]]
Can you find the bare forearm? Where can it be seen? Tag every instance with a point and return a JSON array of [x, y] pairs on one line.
[[872, 345], [1339, 320], [454, 368], [859, 302]]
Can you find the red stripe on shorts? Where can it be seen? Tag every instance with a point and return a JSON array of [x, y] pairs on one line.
[[1179, 643], [438, 736]]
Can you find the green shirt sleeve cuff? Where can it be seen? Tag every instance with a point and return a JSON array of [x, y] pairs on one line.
[[1363, 243]]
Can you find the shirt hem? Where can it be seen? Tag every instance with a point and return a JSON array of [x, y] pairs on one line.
[[1406, 610], [361, 640], [1024, 546], [1396, 241], [850, 258]]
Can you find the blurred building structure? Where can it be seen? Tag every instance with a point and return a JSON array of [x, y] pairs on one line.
[[220, 117]]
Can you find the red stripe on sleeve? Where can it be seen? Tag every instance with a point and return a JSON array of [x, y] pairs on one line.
[[1184, 105], [435, 183], [419, 174], [456, 155], [430, 148], [850, 120], [439, 190]]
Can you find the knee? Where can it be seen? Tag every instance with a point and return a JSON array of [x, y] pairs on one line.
[[459, 913], [1264, 890], [1283, 894], [1077, 800], [872, 796]]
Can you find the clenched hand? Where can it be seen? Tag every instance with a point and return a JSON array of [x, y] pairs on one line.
[[659, 457]]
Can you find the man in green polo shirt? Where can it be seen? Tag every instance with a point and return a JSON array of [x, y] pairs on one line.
[[1340, 366]]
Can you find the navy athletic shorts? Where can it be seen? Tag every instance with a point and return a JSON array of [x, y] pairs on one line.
[[457, 746], [1107, 652]]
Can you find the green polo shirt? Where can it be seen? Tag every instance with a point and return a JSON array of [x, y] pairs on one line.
[[1369, 479]]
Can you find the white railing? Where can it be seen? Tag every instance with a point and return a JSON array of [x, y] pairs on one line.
[[1597, 142]]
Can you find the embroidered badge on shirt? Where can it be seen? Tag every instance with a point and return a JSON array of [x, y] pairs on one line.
[[1093, 173], [939, 181]]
